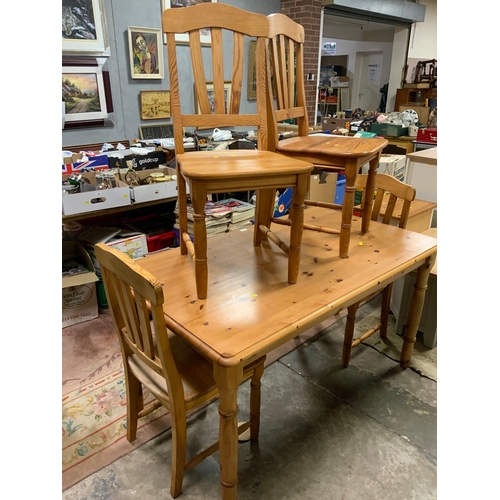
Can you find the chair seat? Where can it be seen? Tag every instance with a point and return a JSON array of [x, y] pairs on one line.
[[194, 370], [337, 148], [238, 164]]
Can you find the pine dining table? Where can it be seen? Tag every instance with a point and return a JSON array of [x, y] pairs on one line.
[[251, 309]]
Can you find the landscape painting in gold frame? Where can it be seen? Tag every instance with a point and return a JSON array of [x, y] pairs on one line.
[[155, 104]]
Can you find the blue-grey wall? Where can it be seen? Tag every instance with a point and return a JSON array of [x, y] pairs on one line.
[[120, 14]]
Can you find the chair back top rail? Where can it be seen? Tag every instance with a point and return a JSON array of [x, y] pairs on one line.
[[223, 110]]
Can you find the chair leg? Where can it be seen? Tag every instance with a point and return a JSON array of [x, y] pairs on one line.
[[384, 315], [297, 216], [263, 211], [198, 199], [349, 333], [179, 439], [255, 401], [135, 403], [182, 201]]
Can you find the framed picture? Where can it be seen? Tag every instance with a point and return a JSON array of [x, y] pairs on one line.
[[205, 38], [156, 131], [146, 52], [86, 94], [155, 104], [211, 101], [84, 28]]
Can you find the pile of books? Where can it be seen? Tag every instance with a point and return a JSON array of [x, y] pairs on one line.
[[221, 216]]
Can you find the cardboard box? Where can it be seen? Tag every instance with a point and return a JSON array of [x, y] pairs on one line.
[[335, 123], [79, 297], [150, 157], [130, 242], [343, 81], [323, 186], [72, 165], [156, 191], [394, 165], [91, 201]]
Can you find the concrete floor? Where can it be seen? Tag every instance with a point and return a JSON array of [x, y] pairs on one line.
[[365, 432]]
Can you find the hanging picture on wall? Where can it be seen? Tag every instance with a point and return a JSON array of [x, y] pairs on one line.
[[155, 104], [205, 38], [148, 132], [86, 94], [146, 52], [84, 27]]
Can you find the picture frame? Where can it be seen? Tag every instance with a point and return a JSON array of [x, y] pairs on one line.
[[210, 92], [86, 92], [146, 53], [154, 104], [159, 131], [205, 38], [84, 30]]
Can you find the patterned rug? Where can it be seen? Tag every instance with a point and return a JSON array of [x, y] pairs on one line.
[[94, 423]]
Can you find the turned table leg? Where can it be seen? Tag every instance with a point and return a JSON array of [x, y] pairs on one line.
[[415, 311], [228, 380]]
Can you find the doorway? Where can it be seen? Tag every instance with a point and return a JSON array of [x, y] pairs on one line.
[[368, 80]]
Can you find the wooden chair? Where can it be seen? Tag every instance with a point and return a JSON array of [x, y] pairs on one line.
[[156, 358], [395, 189], [233, 170], [329, 152]]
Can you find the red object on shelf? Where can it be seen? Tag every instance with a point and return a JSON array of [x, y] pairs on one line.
[[427, 135], [160, 241]]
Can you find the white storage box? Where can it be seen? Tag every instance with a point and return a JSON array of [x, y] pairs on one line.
[[134, 244], [394, 165], [79, 296], [156, 191], [91, 201]]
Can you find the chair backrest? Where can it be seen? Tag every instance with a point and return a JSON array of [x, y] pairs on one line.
[[388, 185], [222, 109], [285, 56], [135, 298]]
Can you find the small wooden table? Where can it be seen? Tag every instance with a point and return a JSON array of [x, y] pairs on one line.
[[252, 309]]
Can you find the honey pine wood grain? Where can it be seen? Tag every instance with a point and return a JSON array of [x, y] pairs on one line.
[[334, 153], [235, 170], [251, 309], [250, 298]]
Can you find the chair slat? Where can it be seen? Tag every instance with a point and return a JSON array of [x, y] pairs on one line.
[[377, 205], [175, 101], [237, 73], [276, 74], [290, 65], [126, 302], [145, 326], [389, 210], [218, 71], [198, 72]]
